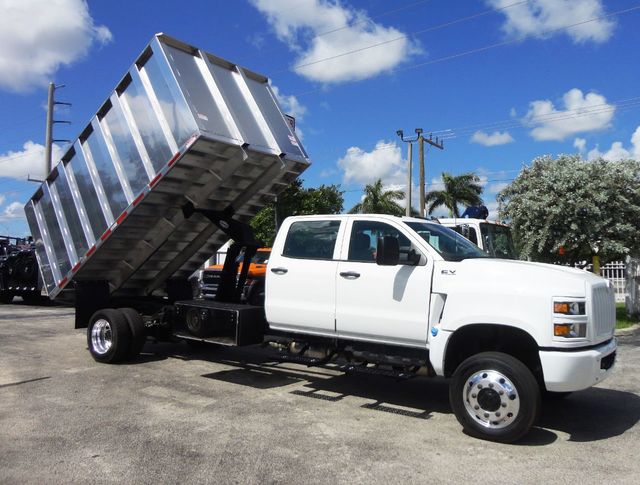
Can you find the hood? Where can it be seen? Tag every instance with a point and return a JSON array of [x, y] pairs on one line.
[[519, 277]]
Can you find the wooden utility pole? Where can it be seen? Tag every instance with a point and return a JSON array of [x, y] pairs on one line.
[[409, 171], [438, 144]]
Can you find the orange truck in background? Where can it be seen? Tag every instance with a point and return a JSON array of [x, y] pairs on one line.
[[253, 291]]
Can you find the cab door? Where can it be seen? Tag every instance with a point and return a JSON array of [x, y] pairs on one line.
[[301, 276], [387, 304]]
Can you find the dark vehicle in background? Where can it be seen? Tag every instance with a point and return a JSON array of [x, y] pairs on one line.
[[19, 275]]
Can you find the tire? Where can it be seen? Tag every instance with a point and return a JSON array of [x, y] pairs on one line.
[[256, 294], [506, 402], [555, 396], [32, 298], [138, 331], [109, 336], [6, 297]]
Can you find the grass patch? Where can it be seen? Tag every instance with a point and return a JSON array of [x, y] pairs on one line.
[[622, 319]]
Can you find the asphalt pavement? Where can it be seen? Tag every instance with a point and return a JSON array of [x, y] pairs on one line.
[[217, 415]]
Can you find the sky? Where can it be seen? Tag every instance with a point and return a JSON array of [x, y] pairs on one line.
[[501, 82]]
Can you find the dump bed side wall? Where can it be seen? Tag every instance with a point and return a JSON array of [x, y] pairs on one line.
[[181, 126]]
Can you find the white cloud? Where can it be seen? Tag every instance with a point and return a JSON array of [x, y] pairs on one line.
[[290, 104], [582, 113], [13, 211], [383, 162], [37, 37], [580, 144], [323, 29], [537, 18], [28, 162], [494, 139], [618, 151]]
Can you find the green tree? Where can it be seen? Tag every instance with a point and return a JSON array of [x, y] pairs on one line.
[[294, 201], [376, 200], [458, 189], [567, 209]]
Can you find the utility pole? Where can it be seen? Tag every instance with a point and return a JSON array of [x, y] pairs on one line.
[[410, 141], [438, 144], [48, 142]]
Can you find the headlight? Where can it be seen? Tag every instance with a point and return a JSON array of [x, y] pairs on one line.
[[570, 318], [570, 330], [569, 307]]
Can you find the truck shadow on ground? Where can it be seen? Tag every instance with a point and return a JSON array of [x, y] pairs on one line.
[[591, 415]]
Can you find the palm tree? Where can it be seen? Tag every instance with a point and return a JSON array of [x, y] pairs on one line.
[[461, 189], [379, 201]]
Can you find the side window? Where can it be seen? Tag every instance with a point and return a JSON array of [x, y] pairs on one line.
[[364, 242], [311, 239]]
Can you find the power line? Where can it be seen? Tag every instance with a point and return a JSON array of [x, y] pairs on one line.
[[452, 133], [347, 26], [495, 45], [548, 118], [364, 21], [406, 36]]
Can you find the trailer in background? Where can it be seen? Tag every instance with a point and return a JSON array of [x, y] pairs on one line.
[[19, 274]]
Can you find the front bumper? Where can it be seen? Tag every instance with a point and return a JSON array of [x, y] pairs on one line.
[[574, 370]]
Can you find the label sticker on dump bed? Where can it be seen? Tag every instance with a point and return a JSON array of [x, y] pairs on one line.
[[293, 140]]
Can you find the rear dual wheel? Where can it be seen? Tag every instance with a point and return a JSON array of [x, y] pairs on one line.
[[495, 397], [114, 336]]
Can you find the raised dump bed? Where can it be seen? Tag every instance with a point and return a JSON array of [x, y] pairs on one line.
[[182, 126]]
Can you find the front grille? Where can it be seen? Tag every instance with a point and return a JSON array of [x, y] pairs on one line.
[[211, 277], [603, 310]]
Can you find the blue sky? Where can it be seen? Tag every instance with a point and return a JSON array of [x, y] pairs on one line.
[[502, 81]]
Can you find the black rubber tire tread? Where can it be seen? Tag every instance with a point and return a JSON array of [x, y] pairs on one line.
[[138, 331], [555, 396], [6, 297], [522, 378], [120, 335], [32, 298]]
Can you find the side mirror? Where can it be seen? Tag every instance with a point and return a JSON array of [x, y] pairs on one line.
[[388, 252]]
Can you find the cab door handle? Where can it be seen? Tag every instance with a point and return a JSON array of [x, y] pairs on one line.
[[350, 275], [279, 270]]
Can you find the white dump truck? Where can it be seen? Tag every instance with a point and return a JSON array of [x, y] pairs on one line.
[[187, 149]]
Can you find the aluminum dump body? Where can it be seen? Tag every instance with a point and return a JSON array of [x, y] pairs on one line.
[[181, 126]]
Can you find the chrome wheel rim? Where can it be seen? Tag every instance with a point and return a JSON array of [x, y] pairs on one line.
[[491, 399], [101, 337]]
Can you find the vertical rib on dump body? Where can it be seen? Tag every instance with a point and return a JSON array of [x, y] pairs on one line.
[[181, 126]]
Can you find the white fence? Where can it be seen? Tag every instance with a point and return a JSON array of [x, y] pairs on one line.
[[615, 272]]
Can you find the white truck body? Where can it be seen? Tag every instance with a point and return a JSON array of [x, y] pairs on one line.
[[424, 305]]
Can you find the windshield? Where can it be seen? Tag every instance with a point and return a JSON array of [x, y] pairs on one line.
[[497, 241], [449, 244]]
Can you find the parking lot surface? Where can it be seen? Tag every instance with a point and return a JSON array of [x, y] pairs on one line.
[[216, 415]]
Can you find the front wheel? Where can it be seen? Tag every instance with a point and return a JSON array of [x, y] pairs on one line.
[[495, 397]]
